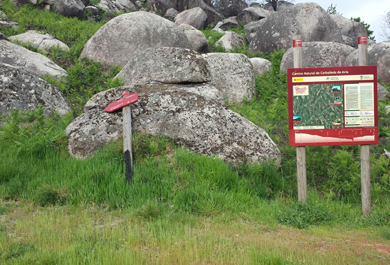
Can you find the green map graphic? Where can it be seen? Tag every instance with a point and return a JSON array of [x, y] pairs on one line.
[[320, 105]]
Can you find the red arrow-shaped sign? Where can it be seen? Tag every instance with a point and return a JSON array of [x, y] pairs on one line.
[[116, 105]]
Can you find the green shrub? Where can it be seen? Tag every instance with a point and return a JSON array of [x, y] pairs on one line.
[[48, 195], [303, 215]]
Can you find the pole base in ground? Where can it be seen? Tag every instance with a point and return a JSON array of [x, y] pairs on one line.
[[129, 166]]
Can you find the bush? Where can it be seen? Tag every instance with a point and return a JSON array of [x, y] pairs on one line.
[[303, 215]]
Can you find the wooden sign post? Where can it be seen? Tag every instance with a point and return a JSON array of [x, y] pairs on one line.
[[124, 104], [364, 149], [301, 150]]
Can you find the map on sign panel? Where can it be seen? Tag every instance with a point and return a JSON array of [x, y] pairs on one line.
[[318, 106]]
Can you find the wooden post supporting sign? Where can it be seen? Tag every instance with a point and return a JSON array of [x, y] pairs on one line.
[[364, 149], [301, 150], [124, 104]]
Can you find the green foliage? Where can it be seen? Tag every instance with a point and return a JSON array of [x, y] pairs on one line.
[[344, 175], [332, 10], [213, 37], [386, 233], [303, 215], [48, 195], [86, 78], [367, 26], [16, 250]]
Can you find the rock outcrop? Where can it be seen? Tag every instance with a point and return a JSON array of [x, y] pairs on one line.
[[195, 17], [349, 29], [196, 37], [165, 66], [231, 40], [22, 90], [33, 62], [71, 8], [378, 54], [260, 65], [318, 54], [126, 35], [43, 42], [112, 6], [309, 20], [281, 5], [229, 8], [202, 125], [251, 14], [232, 74]]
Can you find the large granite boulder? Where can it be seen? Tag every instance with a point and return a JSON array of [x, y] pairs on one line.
[[251, 14], [166, 65], [71, 8], [231, 40], [202, 125], [229, 8], [308, 20], [251, 28], [44, 42], [350, 30], [171, 13], [280, 5], [196, 37], [378, 54], [195, 17], [230, 22], [232, 74], [33, 62], [112, 6], [22, 90], [260, 65], [318, 54], [126, 35], [181, 5]]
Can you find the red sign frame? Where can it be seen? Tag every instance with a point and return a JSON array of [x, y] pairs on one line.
[[335, 136]]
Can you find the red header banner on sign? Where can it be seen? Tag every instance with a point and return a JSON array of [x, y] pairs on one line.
[[333, 106]]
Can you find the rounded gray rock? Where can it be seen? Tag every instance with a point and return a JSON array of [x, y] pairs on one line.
[[229, 8], [196, 37], [33, 62], [378, 54], [232, 74], [318, 54], [308, 20], [202, 125], [21, 90], [260, 65], [350, 29], [44, 42], [251, 14], [126, 35], [71, 8], [195, 17], [166, 65], [231, 40]]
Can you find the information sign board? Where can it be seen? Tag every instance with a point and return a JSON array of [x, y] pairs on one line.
[[333, 106]]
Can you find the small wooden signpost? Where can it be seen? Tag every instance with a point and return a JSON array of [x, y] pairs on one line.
[[124, 104]]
